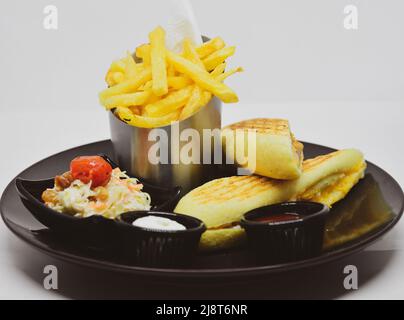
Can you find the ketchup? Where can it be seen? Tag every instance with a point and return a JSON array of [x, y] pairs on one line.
[[287, 216]]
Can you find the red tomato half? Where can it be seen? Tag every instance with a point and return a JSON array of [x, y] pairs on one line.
[[91, 168]]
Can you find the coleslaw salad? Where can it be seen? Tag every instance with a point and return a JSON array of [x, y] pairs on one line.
[[121, 194]]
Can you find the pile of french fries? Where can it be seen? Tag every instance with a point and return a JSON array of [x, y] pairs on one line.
[[164, 86]]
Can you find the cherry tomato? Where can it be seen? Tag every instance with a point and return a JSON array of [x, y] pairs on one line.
[[91, 168]]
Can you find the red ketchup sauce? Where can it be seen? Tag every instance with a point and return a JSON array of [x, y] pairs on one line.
[[287, 216]]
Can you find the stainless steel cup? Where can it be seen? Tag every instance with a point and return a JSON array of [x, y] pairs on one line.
[[132, 145]]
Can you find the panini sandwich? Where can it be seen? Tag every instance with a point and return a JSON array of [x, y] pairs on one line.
[[222, 202], [274, 152]]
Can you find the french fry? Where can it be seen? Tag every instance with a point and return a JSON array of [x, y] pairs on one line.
[[118, 77], [218, 70], [206, 96], [210, 46], [227, 74], [136, 110], [130, 66], [122, 69], [138, 67], [127, 86], [146, 86], [126, 115], [201, 98], [218, 57], [170, 103], [114, 77], [115, 72], [193, 103], [158, 61], [117, 65], [127, 99], [220, 76], [109, 78], [152, 99], [171, 71], [178, 82], [191, 54], [202, 78], [143, 52]]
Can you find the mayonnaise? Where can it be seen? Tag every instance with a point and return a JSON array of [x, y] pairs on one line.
[[158, 223]]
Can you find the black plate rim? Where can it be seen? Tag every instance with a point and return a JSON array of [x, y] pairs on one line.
[[328, 256]]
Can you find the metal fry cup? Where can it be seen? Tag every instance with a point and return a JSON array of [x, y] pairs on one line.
[[181, 154]]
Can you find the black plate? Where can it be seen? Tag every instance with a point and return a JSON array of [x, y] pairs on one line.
[[372, 208]]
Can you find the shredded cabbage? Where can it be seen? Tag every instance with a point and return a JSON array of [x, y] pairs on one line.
[[121, 194]]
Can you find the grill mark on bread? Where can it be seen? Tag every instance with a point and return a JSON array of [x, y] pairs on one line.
[[220, 186], [313, 163], [255, 187], [238, 188], [236, 192], [263, 125], [217, 186]]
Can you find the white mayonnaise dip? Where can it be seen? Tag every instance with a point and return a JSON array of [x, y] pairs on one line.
[[158, 223]]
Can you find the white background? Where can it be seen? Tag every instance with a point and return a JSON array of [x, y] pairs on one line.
[[337, 87]]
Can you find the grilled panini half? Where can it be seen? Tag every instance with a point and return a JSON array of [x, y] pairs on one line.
[[329, 178], [277, 154], [222, 202]]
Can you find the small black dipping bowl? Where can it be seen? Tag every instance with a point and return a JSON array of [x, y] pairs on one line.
[[288, 240], [160, 248]]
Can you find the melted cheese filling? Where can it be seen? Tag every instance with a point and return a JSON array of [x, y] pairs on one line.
[[333, 188]]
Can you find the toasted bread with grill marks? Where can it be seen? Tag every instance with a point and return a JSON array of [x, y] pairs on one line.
[[222, 202], [274, 152], [329, 178]]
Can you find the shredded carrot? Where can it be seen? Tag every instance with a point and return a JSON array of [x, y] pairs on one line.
[[99, 206], [135, 187]]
